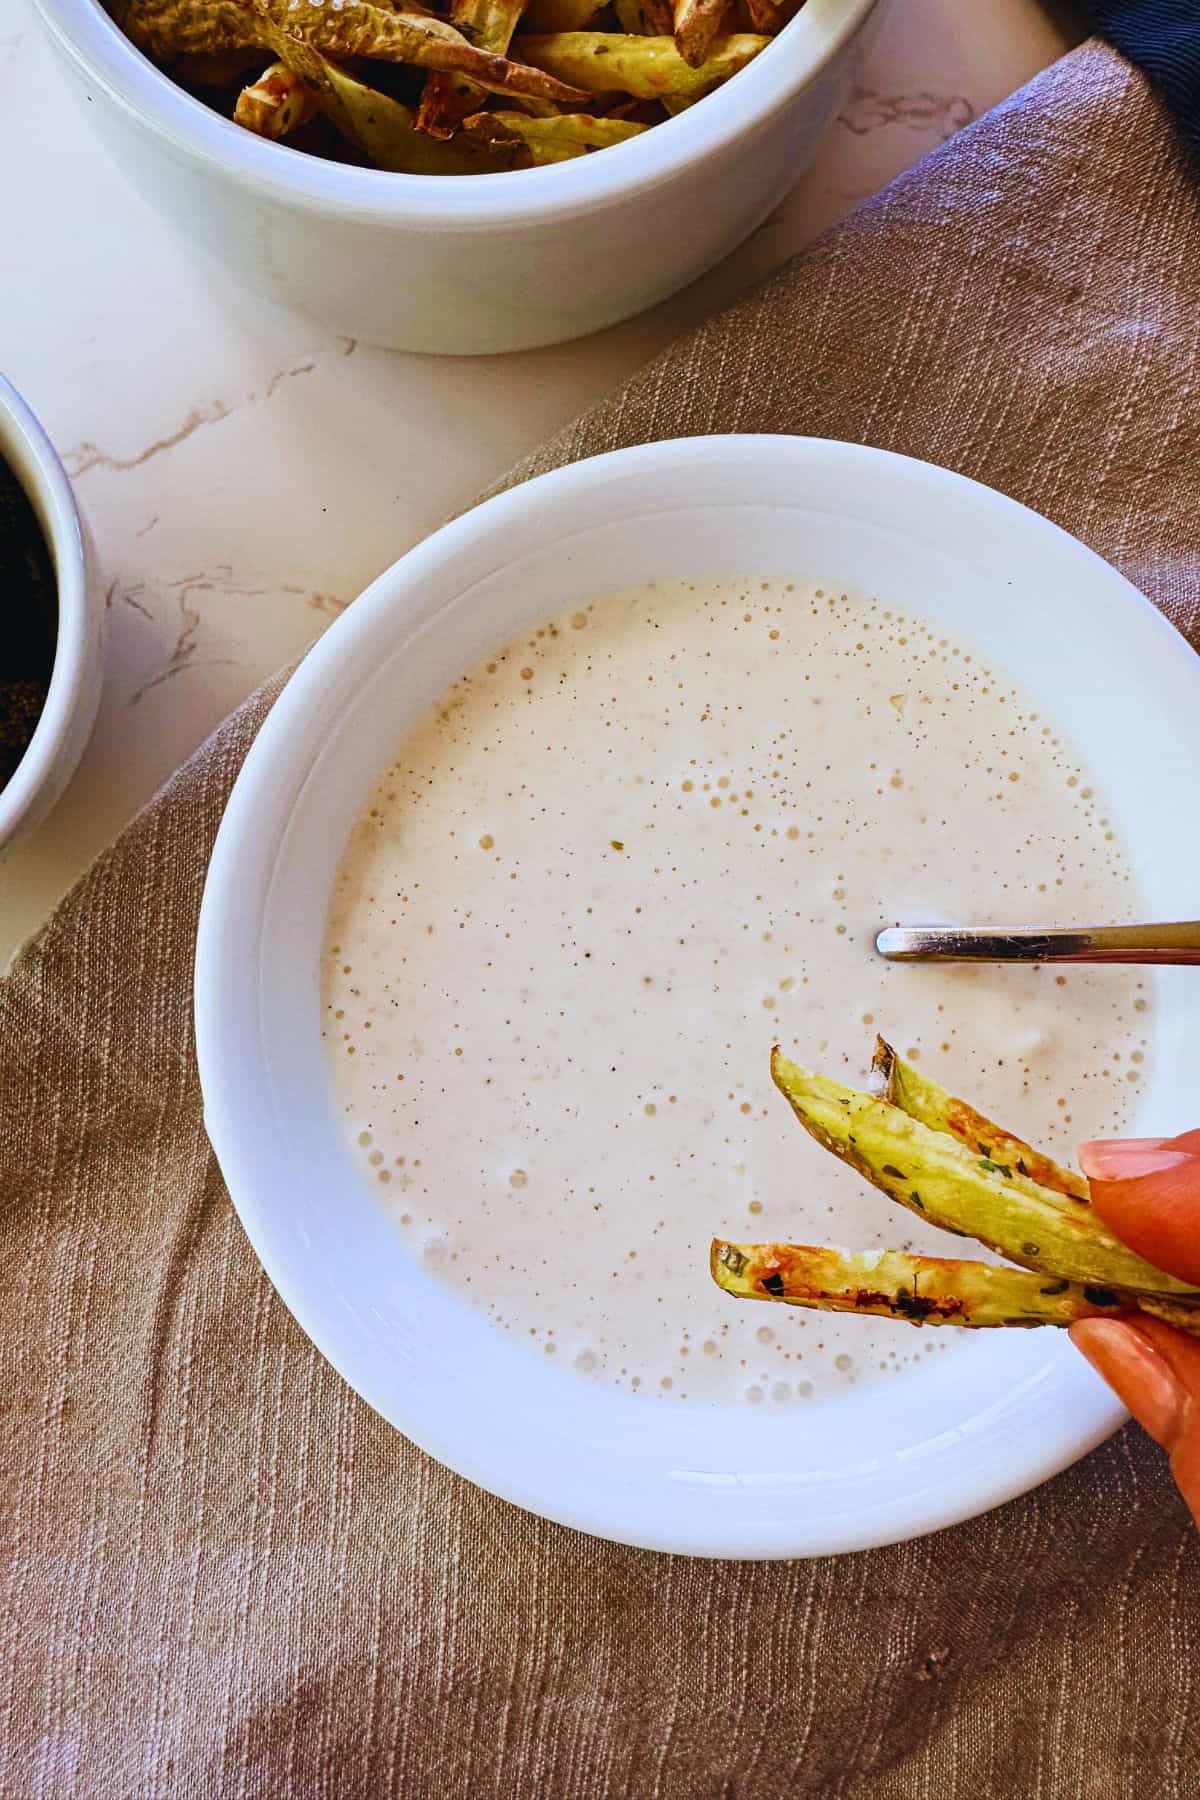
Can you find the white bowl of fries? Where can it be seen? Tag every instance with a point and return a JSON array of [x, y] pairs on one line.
[[1000, 1410], [460, 182]]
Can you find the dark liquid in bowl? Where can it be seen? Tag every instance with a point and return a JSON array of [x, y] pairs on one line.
[[28, 622]]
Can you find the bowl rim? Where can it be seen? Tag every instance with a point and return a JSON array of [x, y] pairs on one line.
[[27, 450], [100, 51], [231, 908]]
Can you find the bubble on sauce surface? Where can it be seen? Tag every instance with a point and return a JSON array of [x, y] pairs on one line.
[[434, 1251], [595, 1006]]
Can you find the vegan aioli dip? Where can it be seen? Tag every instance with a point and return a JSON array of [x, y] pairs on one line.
[[619, 861]]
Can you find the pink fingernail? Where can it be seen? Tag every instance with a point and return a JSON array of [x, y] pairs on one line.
[[1128, 1159]]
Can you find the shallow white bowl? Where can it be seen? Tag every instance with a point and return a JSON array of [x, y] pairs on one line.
[[996, 1414], [74, 693], [478, 263]]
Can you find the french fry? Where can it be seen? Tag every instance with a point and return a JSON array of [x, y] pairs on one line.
[[551, 140], [1181, 1313], [278, 102], [899, 1083], [385, 130], [667, 55], [941, 1180], [924, 1290], [650, 68], [446, 100], [165, 28], [488, 23], [696, 24], [539, 109], [652, 18], [941, 1158]]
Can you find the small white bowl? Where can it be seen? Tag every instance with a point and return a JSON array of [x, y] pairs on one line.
[[994, 1414], [76, 677], [479, 263]]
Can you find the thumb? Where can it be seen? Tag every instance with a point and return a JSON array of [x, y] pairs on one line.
[[1147, 1191]]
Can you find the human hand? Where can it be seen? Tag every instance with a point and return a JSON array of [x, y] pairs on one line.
[[1147, 1191]]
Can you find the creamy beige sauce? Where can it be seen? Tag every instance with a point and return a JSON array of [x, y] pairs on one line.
[[618, 862]]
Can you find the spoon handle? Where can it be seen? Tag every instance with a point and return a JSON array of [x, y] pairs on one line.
[[1035, 943]]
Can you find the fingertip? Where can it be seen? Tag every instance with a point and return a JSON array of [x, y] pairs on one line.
[[1147, 1192], [1130, 1159], [1142, 1380]]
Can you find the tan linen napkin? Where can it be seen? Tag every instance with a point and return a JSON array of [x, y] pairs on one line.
[[222, 1574]]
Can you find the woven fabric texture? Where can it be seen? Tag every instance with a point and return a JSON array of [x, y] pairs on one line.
[[221, 1573]]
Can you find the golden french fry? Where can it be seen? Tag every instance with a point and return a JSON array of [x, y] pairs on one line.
[[903, 1086], [652, 18], [488, 23], [278, 102], [906, 1144], [932, 1174], [650, 67], [551, 140], [924, 1290], [165, 28], [383, 128], [447, 99], [697, 23], [538, 109]]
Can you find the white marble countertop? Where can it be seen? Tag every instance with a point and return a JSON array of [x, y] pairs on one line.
[[246, 474]]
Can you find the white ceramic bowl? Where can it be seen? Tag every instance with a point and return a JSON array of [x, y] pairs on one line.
[[998, 1411], [479, 263], [74, 693]]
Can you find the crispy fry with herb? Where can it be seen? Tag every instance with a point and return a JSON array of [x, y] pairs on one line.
[[488, 23], [899, 1083], [652, 18], [550, 140], [473, 58], [650, 68], [943, 1181], [165, 28], [946, 1162], [924, 1290], [385, 131], [696, 24], [446, 99], [280, 101]]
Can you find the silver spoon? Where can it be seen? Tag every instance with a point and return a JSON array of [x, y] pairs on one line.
[[1038, 943]]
